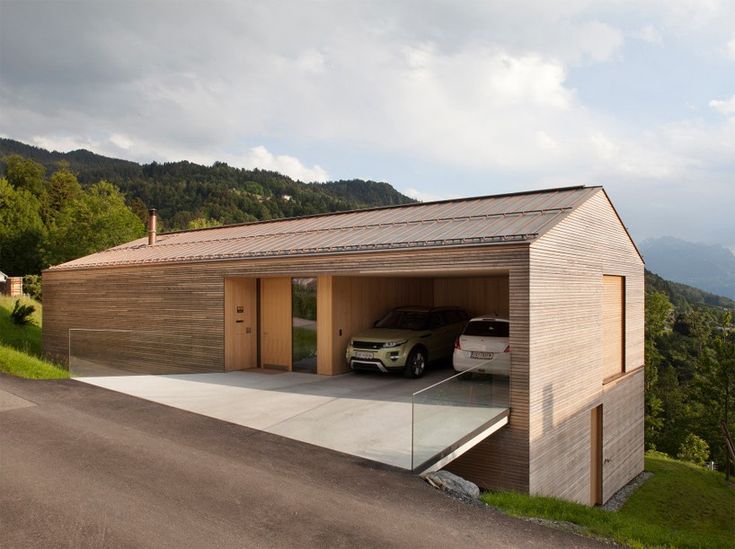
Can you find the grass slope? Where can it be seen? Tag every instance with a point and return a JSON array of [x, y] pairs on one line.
[[23, 338], [682, 505], [21, 348], [21, 364]]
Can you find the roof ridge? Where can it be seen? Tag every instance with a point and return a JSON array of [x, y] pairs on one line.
[[163, 243], [388, 207]]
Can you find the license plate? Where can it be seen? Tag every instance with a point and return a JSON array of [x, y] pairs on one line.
[[363, 354], [482, 355]]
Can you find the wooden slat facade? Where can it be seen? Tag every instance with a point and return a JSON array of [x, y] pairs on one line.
[[568, 265], [551, 290]]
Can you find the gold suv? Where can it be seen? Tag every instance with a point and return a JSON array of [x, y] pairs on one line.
[[407, 339]]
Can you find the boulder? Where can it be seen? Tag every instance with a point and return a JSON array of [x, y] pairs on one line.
[[455, 485]]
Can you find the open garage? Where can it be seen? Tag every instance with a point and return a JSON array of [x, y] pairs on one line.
[[289, 295]]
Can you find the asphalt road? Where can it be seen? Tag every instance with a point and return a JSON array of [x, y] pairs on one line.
[[81, 466]]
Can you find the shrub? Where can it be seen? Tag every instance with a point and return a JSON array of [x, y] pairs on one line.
[[21, 314], [694, 450], [32, 286]]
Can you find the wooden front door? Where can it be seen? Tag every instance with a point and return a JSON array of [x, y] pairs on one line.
[[596, 456], [275, 323], [240, 323]]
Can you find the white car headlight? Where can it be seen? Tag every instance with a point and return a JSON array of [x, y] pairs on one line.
[[396, 343]]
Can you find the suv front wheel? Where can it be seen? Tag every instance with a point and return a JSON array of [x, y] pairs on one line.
[[415, 364]]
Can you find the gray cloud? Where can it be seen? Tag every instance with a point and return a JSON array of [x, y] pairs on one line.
[[482, 91]]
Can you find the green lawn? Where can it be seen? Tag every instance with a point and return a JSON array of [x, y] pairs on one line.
[[682, 505], [21, 349], [21, 364], [24, 338]]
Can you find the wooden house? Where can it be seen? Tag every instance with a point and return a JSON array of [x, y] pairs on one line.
[[558, 263]]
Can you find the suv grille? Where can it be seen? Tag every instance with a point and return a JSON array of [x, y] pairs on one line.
[[366, 345]]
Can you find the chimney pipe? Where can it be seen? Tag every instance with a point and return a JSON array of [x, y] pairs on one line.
[[152, 226]]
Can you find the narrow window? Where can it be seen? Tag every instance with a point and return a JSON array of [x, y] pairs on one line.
[[613, 327]]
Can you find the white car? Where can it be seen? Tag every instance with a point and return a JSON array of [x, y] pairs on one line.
[[484, 344]]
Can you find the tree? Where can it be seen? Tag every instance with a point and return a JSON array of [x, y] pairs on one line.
[[21, 231], [61, 188], [97, 220], [26, 174], [658, 321], [694, 450]]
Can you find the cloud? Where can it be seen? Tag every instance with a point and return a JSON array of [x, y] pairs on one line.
[[422, 196], [650, 34], [260, 157], [726, 106], [730, 48], [518, 94]]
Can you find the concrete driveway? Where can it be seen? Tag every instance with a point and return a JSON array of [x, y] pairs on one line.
[[366, 415], [81, 466]]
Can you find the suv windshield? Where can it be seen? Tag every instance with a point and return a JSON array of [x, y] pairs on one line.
[[404, 320], [487, 328]]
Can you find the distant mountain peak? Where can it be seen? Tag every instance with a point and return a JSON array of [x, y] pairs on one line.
[[709, 267]]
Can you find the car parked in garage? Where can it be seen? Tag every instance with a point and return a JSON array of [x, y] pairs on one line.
[[484, 346], [407, 339]]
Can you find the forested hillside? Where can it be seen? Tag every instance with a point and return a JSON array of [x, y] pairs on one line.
[[190, 195], [690, 370], [707, 266]]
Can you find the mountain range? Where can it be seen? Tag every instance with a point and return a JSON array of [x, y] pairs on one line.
[[185, 193], [707, 266], [188, 194]]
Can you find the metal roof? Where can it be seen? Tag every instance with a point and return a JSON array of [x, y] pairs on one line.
[[518, 217]]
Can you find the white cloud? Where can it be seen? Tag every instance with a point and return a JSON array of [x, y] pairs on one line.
[[121, 141], [650, 34], [725, 106], [422, 196], [730, 48], [260, 157]]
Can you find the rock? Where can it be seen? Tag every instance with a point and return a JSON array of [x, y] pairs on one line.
[[455, 485]]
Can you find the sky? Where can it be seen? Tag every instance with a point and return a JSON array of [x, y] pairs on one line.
[[441, 99]]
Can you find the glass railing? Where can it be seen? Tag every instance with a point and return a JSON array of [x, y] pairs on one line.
[[448, 413], [112, 352]]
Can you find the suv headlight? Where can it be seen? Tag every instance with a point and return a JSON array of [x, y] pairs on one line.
[[396, 343]]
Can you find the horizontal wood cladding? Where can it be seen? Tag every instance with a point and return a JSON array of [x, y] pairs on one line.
[[566, 332], [500, 462], [623, 431], [183, 304]]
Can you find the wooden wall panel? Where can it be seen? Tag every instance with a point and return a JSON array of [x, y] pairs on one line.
[[566, 356], [327, 363], [187, 304], [478, 296], [275, 323], [241, 325], [613, 326], [623, 432]]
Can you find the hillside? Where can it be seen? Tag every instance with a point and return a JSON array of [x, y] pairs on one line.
[[685, 297], [710, 267], [186, 193]]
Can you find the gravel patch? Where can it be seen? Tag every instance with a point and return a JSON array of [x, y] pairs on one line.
[[622, 495]]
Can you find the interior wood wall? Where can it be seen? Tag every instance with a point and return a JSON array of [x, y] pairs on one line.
[[356, 303], [241, 328], [478, 296], [566, 355]]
